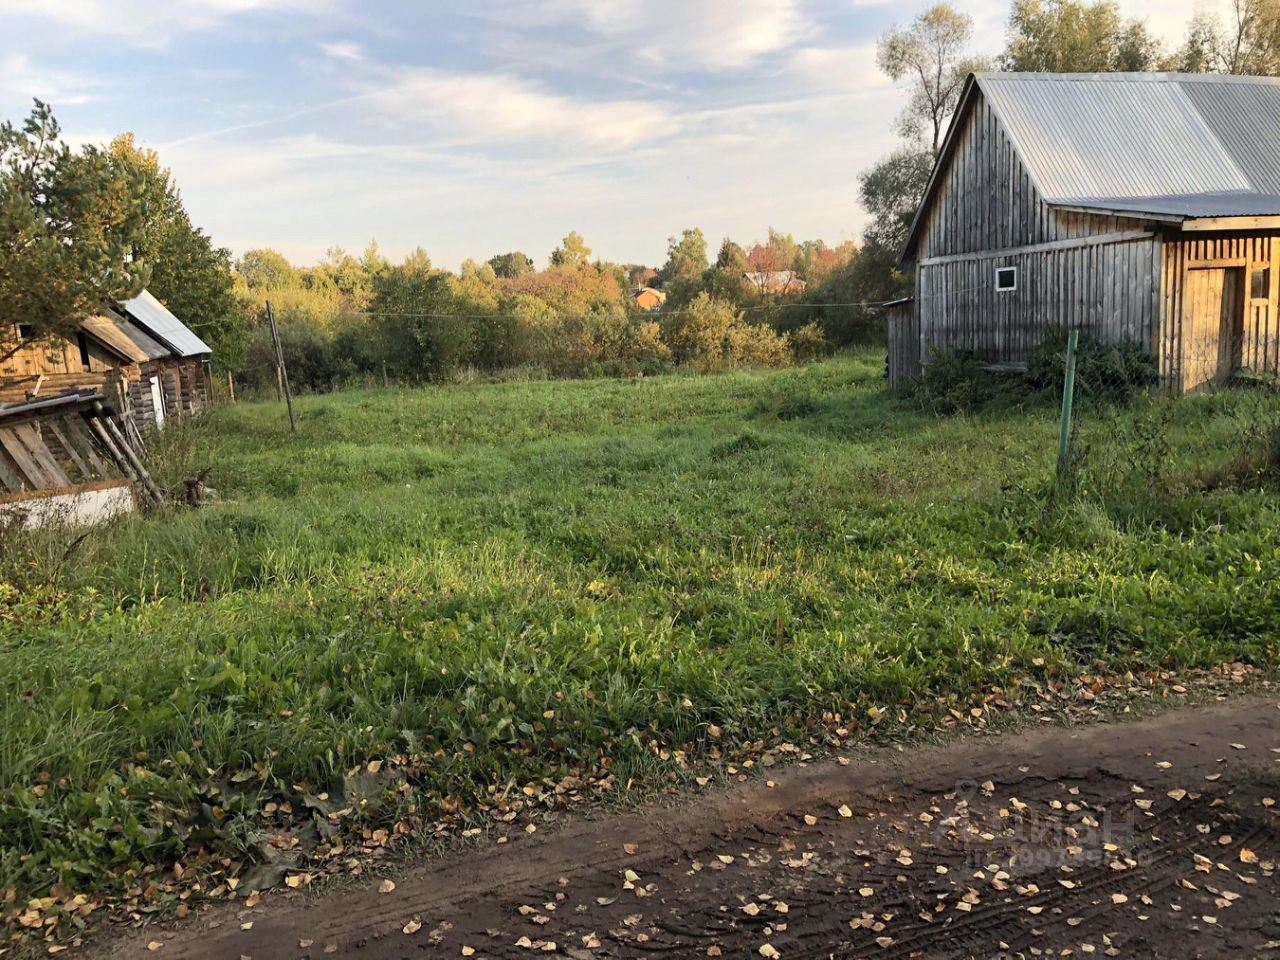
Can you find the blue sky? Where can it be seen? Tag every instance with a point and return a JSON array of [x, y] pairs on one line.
[[477, 127]]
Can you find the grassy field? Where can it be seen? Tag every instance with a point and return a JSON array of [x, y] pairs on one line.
[[501, 587]]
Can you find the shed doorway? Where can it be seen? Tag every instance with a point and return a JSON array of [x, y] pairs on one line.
[[157, 400], [1212, 327]]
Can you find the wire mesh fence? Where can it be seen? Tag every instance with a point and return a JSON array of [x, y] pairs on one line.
[[1129, 435]]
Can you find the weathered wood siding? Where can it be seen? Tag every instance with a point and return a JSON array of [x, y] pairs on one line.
[[1100, 274], [1110, 290], [1259, 347], [987, 201], [56, 356], [901, 320]]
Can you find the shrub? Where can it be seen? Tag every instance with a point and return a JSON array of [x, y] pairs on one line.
[[953, 382], [809, 342], [1112, 371], [710, 335]]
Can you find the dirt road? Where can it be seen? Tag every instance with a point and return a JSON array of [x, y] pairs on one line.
[[1156, 838]]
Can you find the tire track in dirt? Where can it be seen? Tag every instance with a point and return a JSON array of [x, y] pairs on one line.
[[1146, 839]]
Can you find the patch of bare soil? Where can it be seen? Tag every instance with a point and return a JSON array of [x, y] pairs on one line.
[[1155, 838]]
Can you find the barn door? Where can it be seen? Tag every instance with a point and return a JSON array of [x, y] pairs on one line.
[[1212, 326]]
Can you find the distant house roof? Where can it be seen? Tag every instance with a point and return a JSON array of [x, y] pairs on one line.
[[150, 314], [775, 280], [649, 293]]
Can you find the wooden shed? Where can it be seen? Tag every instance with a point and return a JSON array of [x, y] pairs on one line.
[[1139, 207], [140, 356]]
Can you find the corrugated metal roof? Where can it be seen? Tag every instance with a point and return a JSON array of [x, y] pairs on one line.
[[152, 315], [1183, 145]]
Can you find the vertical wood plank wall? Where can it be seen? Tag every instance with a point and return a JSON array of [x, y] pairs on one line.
[[987, 200], [1108, 290], [985, 207], [904, 340], [1260, 346]]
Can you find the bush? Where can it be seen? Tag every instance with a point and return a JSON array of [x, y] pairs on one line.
[[953, 382], [809, 343], [711, 336], [1111, 371]]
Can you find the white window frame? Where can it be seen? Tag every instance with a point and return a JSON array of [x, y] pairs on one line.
[[1000, 288]]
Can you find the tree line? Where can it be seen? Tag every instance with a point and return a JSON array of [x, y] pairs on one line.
[[80, 229]]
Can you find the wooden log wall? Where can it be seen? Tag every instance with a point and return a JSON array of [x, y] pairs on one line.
[[1259, 349]]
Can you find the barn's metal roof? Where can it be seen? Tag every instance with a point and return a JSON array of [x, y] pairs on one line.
[[1165, 146], [152, 315], [1184, 145]]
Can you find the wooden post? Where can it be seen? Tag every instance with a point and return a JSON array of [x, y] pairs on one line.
[[1068, 396], [281, 371], [231, 386]]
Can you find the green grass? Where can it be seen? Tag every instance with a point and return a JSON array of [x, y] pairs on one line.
[[515, 583]]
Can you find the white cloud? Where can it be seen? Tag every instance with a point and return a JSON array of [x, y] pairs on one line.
[[343, 50], [22, 79], [838, 68], [685, 34], [499, 107], [144, 21]]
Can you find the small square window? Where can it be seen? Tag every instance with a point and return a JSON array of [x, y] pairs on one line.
[[1260, 284], [26, 331], [1006, 279]]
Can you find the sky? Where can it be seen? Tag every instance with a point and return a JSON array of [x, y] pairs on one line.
[[476, 127]]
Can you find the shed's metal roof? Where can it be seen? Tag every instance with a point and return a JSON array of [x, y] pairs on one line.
[[152, 315], [1182, 145]]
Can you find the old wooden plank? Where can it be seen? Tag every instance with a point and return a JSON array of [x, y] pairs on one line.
[[32, 474]]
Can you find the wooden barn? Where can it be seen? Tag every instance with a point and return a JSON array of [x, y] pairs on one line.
[[145, 360], [1140, 207]]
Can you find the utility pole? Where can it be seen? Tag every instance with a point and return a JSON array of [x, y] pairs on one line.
[[282, 374]]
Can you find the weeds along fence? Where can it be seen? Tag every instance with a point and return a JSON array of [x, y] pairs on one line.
[[1127, 435]]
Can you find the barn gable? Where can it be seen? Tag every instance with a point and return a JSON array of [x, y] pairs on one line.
[[984, 196]]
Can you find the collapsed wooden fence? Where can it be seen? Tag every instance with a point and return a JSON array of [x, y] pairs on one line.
[[65, 449]]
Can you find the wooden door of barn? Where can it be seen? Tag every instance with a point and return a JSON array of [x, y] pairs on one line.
[[1212, 327]]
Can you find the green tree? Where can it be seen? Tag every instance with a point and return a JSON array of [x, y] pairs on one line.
[[572, 252], [686, 257], [350, 276], [415, 308], [509, 265], [188, 273], [267, 269], [890, 192], [725, 280], [930, 53], [711, 335], [1076, 36], [1247, 43], [682, 274], [70, 223]]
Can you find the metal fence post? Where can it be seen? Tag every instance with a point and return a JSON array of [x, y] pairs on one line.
[[1068, 396]]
